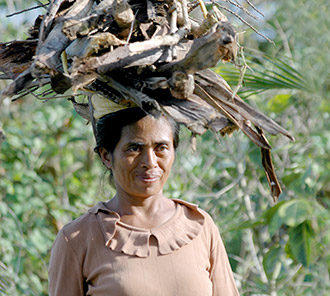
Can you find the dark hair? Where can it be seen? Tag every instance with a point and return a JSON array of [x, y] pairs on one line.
[[109, 127]]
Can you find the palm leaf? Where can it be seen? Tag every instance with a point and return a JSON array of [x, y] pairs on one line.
[[268, 73]]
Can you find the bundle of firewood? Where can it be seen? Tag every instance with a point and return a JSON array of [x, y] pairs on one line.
[[149, 52]]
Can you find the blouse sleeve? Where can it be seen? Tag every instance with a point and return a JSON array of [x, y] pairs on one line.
[[221, 275], [65, 271]]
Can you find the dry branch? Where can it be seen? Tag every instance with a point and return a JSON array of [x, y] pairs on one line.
[[150, 53]]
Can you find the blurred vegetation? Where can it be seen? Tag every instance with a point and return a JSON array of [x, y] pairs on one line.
[[50, 175]]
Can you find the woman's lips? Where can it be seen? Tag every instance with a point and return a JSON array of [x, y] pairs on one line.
[[148, 178]]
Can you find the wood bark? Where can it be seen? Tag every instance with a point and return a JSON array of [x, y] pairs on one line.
[[151, 53]]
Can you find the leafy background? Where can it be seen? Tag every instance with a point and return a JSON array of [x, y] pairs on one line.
[[50, 175]]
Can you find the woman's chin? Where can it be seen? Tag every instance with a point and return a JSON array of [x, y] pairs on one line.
[[147, 190]]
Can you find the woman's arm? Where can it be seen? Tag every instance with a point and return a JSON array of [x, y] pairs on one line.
[[65, 270], [221, 275]]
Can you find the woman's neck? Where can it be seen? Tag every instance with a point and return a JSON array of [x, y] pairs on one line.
[[143, 212]]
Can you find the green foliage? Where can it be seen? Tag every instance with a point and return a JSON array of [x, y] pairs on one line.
[[300, 242], [290, 237], [295, 218], [290, 213], [47, 167]]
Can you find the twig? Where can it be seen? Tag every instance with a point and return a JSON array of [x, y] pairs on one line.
[[256, 261], [46, 92], [20, 42], [242, 73], [205, 169], [26, 92], [243, 21], [185, 14], [33, 94], [251, 215], [225, 189], [255, 8], [91, 115], [64, 59], [203, 8], [46, 99], [284, 40], [237, 4], [32, 87], [290, 276], [131, 28], [17, 222], [197, 180], [25, 10]]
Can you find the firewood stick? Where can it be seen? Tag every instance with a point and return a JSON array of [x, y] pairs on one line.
[[203, 8], [185, 14], [174, 18]]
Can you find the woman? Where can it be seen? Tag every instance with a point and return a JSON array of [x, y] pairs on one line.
[[140, 242]]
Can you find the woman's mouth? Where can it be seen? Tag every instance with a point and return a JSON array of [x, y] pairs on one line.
[[148, 178]]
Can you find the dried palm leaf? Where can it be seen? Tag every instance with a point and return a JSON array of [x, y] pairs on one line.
[[151, 53]]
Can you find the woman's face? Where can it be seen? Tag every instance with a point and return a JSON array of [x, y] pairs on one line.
[[143, 157]]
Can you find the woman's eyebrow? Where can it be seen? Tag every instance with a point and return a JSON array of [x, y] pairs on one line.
[[163, 142], [140, 143], [135, 143]]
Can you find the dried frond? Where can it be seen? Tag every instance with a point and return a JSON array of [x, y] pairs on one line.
[[148, 53]]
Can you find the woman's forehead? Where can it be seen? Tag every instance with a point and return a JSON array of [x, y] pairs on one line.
[[148, 128]]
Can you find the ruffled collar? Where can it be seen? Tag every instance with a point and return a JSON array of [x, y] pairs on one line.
[[178, 231]]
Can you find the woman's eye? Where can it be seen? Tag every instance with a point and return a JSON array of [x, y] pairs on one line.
[[133, 149], [162, 148]]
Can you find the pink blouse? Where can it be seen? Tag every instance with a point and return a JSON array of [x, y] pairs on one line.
[[99, 255]]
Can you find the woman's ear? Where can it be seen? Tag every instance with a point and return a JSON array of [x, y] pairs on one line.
[[106, 157]]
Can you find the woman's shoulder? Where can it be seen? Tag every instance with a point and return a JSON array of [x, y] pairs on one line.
[[193, 212], [82, 225], [194, 208]]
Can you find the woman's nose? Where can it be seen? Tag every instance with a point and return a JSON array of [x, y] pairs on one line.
[[149, 159]]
